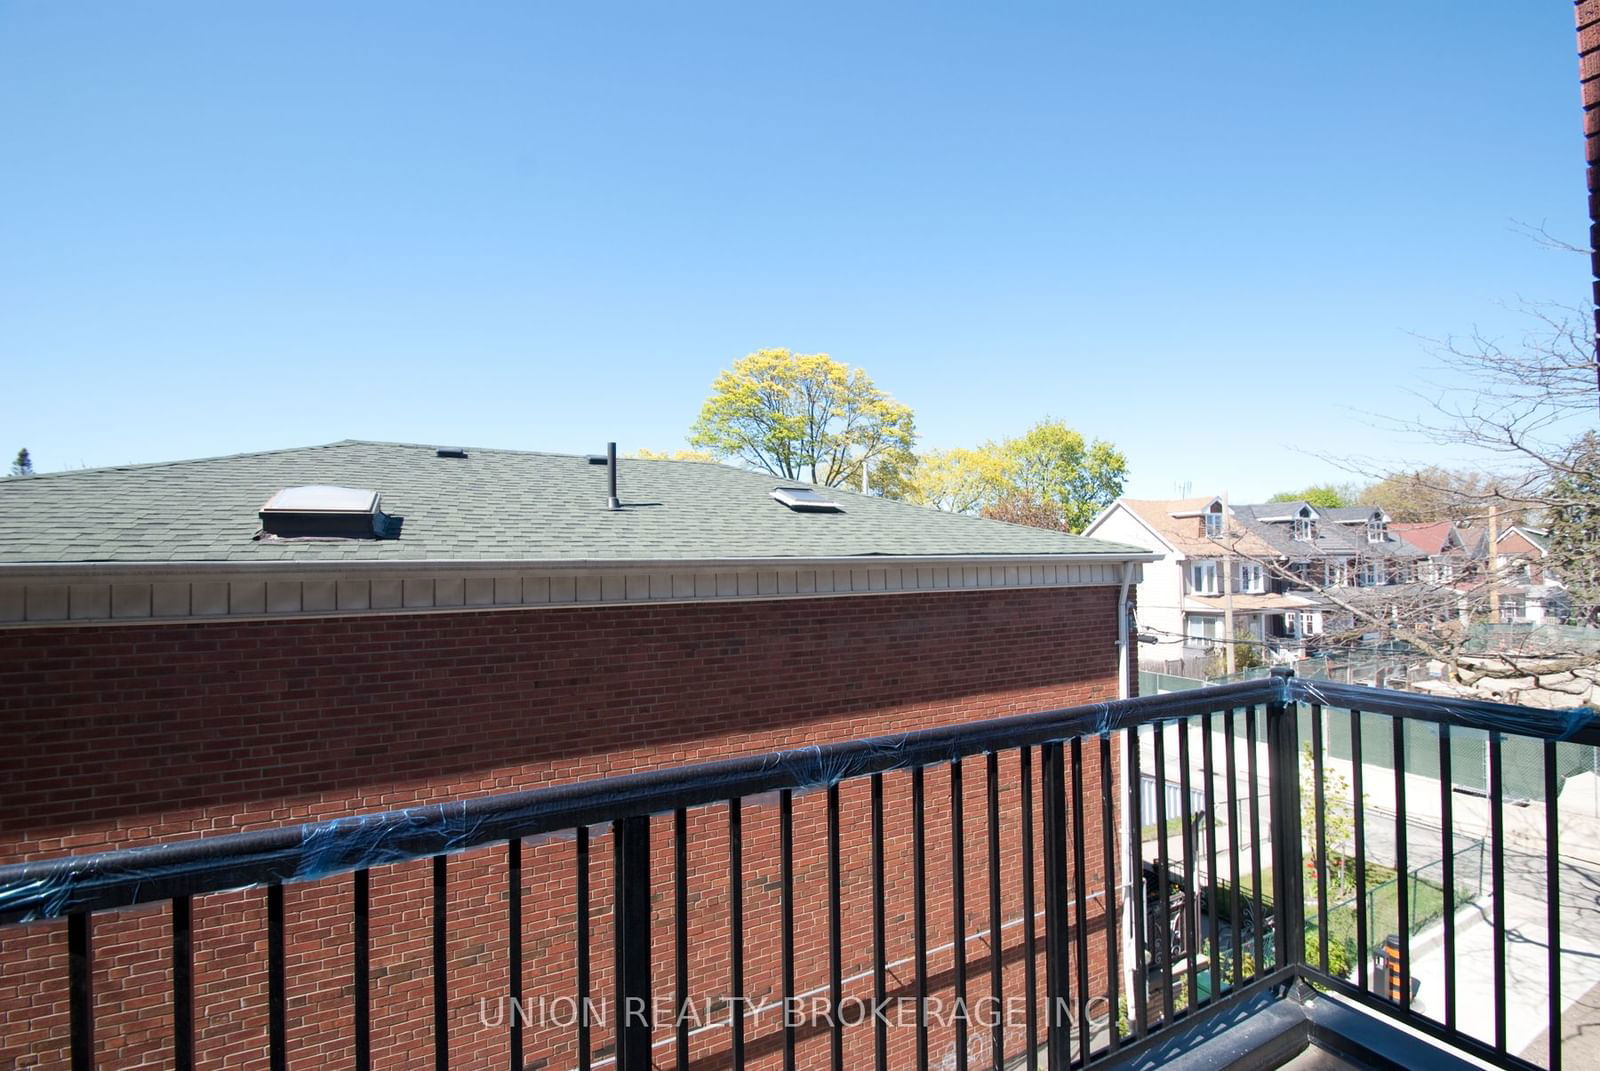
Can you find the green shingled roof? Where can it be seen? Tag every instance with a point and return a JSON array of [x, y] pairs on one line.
[[491, 505]]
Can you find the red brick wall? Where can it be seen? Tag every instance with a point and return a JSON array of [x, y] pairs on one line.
[[122, 735], [1588, 14]]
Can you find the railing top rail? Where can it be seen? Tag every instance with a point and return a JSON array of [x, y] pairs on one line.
[[55, 887], [1581, 725]]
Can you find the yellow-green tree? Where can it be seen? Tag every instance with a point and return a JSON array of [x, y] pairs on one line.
[[1048, 477], [806, 416], [959, 480], [646, 454]]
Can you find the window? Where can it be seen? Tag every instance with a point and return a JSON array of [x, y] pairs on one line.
[[1444, 572], [1203, 578], [1251, 578], [1371, 574], [1336, 573], [1214, 521], [1310, 623], [1203, 630], [1377, 531], [1303, 530], [805, 500]]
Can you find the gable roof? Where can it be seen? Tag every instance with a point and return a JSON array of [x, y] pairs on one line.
[[1431, 538], [1337, 536], [1538, 538], [492, 505], [1181, 531]]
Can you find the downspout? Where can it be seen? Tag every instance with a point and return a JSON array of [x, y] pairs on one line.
[[1126, 790], [1122, 632]]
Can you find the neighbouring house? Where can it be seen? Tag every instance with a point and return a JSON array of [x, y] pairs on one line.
[[239, 643], [1263, 564], [1529, 593], [1455, 553]]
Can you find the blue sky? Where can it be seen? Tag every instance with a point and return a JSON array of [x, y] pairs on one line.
[[1208, 234]]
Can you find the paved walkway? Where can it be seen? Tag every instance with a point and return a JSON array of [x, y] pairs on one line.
[[1527, 963]]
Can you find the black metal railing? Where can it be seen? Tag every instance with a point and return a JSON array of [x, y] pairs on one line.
[[1069, 870]]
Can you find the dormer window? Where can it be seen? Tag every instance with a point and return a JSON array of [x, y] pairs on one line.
[[1303, 528], [1214, 521], [1377, 529]]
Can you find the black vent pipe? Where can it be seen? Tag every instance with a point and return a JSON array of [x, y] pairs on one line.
[[612, 501]]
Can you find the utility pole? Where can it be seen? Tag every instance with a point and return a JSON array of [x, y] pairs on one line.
[[1494, 563], [1227, 588]]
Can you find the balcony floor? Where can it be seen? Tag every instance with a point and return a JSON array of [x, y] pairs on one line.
[[1300, 1031]]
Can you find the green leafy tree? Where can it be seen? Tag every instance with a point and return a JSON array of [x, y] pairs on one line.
[[808, 417], [1048, 477], [1320, 495], [23, 465], [1338, 822], [1054, 467], [1573, 516]]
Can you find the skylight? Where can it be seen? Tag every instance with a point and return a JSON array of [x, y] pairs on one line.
[[806, 500], [322, 511]]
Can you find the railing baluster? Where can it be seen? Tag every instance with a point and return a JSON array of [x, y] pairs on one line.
[[736, 931], [919, 879], [1080, 890], [1552, 892], [1108, 860], [362, 892], [1497, 826], [631, 914], [80, 989], [880, 982], [958, 909], [581, 855], [1447, 839], [1058, 1029], [680, 903], [835, 935], [786, 909], [514, 946], [1208, 773], [1191, 905], [1359, 806], [1163, 874], [1259, 964], [1402, 862], [1319, 790], [182, 984], [1236, 912], [277, 1026], [1136, 893], [997, 1039], [441, 991], [1030, 975]]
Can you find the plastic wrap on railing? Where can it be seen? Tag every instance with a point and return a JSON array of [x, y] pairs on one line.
[[1454, 710], [56, 887]]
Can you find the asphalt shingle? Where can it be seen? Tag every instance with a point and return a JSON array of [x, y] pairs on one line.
[[493, 504]]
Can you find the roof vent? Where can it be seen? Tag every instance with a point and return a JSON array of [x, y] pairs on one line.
[[805, 500], [323, 512], [451, 451]]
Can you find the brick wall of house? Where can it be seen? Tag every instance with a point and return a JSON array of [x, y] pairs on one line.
[[1588, 16], [123, 735]]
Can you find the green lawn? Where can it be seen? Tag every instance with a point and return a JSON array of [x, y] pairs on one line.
[[1383, 910]]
